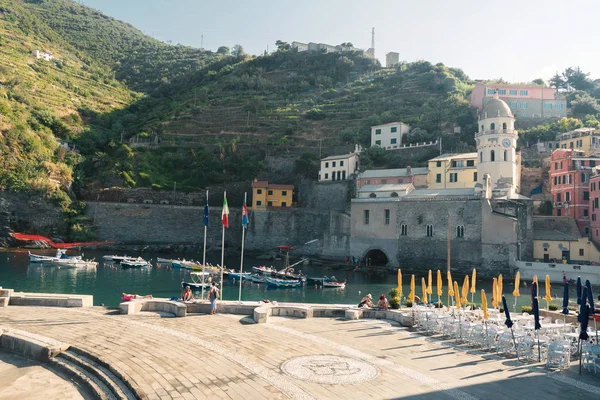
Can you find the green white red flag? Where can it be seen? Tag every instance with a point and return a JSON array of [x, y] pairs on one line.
[[225, 212]]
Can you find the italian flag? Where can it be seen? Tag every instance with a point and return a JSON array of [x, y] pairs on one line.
[[225, 213]]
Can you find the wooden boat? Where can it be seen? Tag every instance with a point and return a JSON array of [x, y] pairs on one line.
[[283, 283], [181, 264], [264, 270], [61, 254], [338, 285], [258, 278], [134, 263], [236, 275], [321, 280], [196, 280]]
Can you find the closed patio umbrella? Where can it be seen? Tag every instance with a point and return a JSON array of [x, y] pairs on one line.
[[439, 285], [590, 299], [473, 276], [579, 289], [411, 295], [584, 316], [465, 291], [565, 303], [429, 283], [450, 288], [399, 282], [456, 293], [548, 296], [486, 314], [535, 309], [516, 292], [424, 287], [500, 289], [509, 322], [494, 296], [534, 288]]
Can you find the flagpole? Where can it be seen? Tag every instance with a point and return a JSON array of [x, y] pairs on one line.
[[223, 247], [242, 258], [204, 251]]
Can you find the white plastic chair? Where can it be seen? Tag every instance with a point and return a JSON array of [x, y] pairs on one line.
[[476, 335], [525, 347], [559, 355], [505, 343]]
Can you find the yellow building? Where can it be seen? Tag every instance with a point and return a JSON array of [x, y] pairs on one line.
[[271, 195], [558, 238], [452, 171], [584, 139]]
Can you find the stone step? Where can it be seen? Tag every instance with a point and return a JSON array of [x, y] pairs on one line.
[[97, 389], [116, 386]]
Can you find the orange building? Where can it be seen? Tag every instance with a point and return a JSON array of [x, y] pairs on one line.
[[265, 195]]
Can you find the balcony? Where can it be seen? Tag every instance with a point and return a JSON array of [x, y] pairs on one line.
[[495, 131]]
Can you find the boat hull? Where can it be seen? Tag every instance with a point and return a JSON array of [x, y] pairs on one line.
[[283, 283]]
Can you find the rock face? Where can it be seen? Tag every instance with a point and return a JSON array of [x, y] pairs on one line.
[[26, 213]]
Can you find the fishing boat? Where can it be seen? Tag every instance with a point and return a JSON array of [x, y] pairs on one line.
[[61, 254], [72, 263], [338, 285], [236, 275], [283, 283], [114, 259], [196, 280], [258, 278], [264, 270], [167, 261], [134, 263], [320, 281]]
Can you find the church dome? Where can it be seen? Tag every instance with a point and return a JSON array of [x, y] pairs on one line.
[[496, 108]]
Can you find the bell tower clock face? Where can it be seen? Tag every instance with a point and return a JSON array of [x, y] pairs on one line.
[[506, 142]]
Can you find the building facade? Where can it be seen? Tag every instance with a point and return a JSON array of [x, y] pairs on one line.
[[416, 176], [389, 136], [391, 59], [570, 175], [451, 171], [525, 101], [559, 240], [594, 207], [339, 168], [265, 194]]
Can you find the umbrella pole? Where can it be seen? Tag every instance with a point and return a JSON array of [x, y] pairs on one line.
[[514, 342], [459, 329], [539, 351], [472, 294], [580, 356], [486, 334], [515, 310]]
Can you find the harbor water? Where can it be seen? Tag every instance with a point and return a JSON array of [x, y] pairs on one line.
[[107, 282]]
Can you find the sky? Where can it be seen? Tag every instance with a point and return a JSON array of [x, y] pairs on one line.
[[517, 40]]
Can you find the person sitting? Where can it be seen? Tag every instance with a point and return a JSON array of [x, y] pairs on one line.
[[187, 294], [383, 302], [366, 301], [128, 297], [417, 300]]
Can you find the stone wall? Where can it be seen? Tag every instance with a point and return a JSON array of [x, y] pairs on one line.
[[167, 225], [326, 196]]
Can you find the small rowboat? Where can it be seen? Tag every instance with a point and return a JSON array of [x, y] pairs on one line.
[[338, 285], [236, 275], [283, 283], [258, 278]]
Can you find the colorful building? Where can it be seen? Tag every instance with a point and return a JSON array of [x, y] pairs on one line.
[[452, 171], [525, 101], [570, 173], [594, 207], [559, 240], [416, 176], [265, 194]]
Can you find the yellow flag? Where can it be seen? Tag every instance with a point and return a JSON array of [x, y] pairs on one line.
[[516, 292], [548, 295], [424, 287], [439, 283], [473, 281], [456, 293], [429, 283], [400, 282], [486, 315], [450, 288], [465, 290]]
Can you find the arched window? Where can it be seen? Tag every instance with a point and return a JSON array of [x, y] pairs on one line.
[[481, 156], [460, 231], [403, 229], [492, 126], [504, 125], [505, 155], [492, 156], [482, 128], [394, 194], [429, 230], [372, 195]]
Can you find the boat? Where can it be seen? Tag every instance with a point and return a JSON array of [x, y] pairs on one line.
[[264, 270], [283, 283], [258, 278], [167, 261], [134, 263], [236, 275], [115, 259], [71, 263], [323, 279], [338, 285], [180, 264], [61, 254], [195, 282]]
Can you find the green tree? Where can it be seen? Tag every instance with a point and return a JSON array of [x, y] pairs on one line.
[[539, 81], [223, 50], [238, 51], [282, 46], [584, 104], [558, 82]]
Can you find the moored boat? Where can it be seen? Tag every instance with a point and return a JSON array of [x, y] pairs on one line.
[[338, 285], [61, 254], [258, 278], [134, 263], [167, 261], [71, 263], [321, 280], [198, 280], [236, 275], [264, 270], [114, 259], [283, 283]]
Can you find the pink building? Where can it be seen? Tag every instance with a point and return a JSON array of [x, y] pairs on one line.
[[525, 101], [570, 175], [595, 207]]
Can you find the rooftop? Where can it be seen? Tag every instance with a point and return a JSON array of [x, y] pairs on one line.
[[555, 228], [340, 156], [382, 173], [398, 187], [450, 156], [496, 107], [389, 123], [265, 184], [433, 193]]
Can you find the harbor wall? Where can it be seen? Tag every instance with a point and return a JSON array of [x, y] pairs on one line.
[[161, 225], [554, 271]]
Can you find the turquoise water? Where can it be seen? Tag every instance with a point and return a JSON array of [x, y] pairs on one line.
[[107, 282]]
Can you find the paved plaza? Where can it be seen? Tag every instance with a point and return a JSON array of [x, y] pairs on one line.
[[226, 357]]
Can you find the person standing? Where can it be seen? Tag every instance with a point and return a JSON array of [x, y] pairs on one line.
[[213, 295]]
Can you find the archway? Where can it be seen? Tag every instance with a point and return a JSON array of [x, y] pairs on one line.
[[376, 257]]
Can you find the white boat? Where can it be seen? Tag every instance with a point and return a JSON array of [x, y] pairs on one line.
[[197, 278], [61, 254], [134, 263], [169, 261], [115, 259], [264, 270], [76, 264], [338, 285]]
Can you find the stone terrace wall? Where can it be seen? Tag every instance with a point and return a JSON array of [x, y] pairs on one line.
[[167, 224]]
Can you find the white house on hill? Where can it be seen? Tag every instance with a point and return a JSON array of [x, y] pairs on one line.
[[339, 168], [389, 136]]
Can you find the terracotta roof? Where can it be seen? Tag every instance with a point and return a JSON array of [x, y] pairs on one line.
[[261, 184], [555, 228], [265, 184]]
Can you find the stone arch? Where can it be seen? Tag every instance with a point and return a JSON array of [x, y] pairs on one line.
[[376, 257], [372, 195], [492, 155], [492, 126], [394, 194], [504, 125]]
